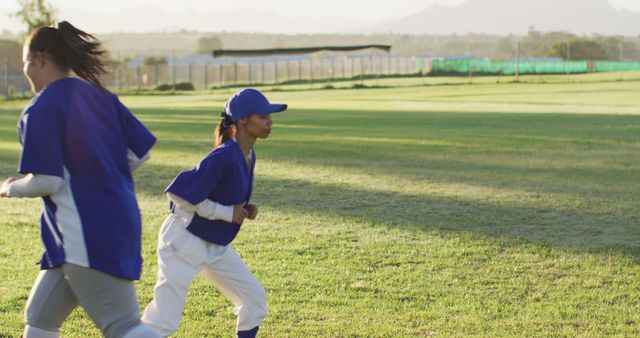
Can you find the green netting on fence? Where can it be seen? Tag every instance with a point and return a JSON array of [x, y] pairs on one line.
[[488, 67], [616, 66]]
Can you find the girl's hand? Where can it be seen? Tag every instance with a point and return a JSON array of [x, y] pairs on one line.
[[252, 211], [239, 213], [4, 189]]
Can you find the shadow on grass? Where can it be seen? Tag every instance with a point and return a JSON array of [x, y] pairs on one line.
[[541, 153], [571, 229]]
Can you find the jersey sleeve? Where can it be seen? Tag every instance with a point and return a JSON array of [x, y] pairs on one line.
[[139, 138], [196, 184], [42, 143]]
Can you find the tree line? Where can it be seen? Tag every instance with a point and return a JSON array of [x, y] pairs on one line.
[[535, 44]]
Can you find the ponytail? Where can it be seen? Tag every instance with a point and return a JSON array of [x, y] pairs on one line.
[[71, 49], [225, 130]]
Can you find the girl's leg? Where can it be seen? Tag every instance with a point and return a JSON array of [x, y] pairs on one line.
[[110, 302], [34, 332], [179, 263], [234, 279], [50, 303], [164, 312]]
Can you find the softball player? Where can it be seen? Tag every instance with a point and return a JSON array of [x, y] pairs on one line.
[[208, 205], [80, 145]]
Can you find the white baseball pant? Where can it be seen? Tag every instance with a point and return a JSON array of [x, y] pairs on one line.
[[181, 257]]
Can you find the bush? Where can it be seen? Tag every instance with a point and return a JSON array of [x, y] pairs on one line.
[[11, 91], [578, 49], [178, 86], [151, 61]]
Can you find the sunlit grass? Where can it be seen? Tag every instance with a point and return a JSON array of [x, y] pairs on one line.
[[477, 209]]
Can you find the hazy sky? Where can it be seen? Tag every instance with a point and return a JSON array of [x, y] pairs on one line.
[[361, 10]]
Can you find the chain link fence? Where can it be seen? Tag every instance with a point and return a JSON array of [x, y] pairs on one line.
[[231, 73], [12, 81]]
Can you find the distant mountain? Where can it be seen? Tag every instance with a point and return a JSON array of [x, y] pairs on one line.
[[153, 19], [499, 17], [516, 17]]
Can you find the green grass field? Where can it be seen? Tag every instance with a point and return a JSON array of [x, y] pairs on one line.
[[427, 207]]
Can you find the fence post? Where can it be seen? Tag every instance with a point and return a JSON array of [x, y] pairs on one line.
[[518, 61], [376, 67], [345, 63], [127, 78], [235, 73], [621, 56], [221, 75], [173, 75], [6, 75], [155, 75], [352, 68], [118, 72], [286, 71], [324, 69], [138, 77], [311, 72], [333, 69], [206, 76]]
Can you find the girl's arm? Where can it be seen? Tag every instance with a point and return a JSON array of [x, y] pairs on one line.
[[134, 161], [205, 209], [31, 186]]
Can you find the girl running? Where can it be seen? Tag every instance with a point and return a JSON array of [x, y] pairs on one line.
[[80, 145], [208, 206]]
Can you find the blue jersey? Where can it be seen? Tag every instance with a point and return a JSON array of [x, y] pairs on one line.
[[223, 176], [82, 134]]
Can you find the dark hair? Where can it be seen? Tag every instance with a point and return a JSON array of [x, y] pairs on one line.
[[225, 130], [71, 48]]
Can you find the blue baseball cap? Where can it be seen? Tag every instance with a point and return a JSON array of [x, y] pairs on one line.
[[250, 101]]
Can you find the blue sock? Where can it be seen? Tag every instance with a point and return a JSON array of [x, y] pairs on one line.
[[248, 333]]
